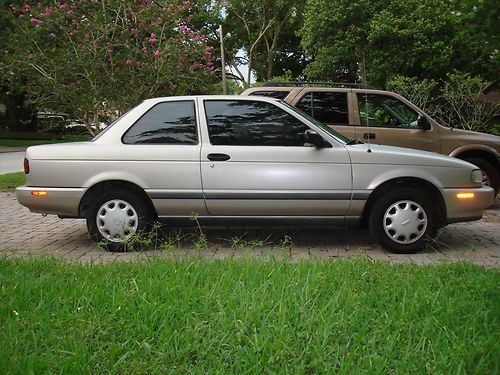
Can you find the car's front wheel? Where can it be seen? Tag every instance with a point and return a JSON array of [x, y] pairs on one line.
[[115, 217], [403, 220]]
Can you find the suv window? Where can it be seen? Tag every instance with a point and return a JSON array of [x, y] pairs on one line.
[[272, 94], [327, 107], [252, 123], [385, 111], [165, 123]]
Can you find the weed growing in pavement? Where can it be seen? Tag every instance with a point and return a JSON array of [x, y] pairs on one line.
[[286, 242], [238, 242], [473, 248], [260, 243], [200, 240], [157, 238]]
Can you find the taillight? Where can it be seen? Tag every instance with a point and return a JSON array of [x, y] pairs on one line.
[[26, 166]]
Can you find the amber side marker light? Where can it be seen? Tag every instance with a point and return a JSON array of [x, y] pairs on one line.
[[38, 193], [465, 195]]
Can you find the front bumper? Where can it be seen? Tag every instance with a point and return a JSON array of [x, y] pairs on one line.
[[58, 201], [467, 209]]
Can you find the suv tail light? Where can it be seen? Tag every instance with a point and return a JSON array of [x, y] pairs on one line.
[[26, 166]]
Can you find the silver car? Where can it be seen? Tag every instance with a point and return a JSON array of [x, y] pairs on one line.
[[235, 157]]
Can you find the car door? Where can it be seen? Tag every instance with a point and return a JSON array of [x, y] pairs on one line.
[[386, 120], [254, 162]]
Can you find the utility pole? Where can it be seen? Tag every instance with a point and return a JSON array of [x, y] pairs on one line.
[[224, 83]]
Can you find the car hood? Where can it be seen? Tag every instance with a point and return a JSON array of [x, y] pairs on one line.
[[390, 155]]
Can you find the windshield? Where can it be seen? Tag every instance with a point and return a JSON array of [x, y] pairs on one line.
[[335, 134]]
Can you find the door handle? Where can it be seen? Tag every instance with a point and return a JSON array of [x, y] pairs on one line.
[[218, 157], [369, 135]]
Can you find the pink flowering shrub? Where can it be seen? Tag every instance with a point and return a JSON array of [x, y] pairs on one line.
[[82, 58]]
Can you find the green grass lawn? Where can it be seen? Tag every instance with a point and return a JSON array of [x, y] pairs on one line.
[[10, 181], [248, 317]]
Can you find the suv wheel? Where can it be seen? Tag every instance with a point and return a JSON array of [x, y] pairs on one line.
[[490, 174], [117, 216], [403, 220]]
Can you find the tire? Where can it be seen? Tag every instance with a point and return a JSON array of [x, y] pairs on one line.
[[115, 216], [490, 173], [403, 220]]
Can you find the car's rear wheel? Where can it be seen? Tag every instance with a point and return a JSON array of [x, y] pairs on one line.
[[490, 174], [115, 217], [403, 220]]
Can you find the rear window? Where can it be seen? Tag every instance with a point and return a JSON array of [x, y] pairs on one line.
[[327, 107], [272, 94]]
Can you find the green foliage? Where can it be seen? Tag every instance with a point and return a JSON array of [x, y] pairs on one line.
[[463, 104], [86, 57], [458, 101], [234, 317], [495, 129], [287, 76], [264, 30], [33, 142], [419, 92], [10, 181], [376, 40]]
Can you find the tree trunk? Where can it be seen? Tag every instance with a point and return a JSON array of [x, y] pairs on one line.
[[88, 126], [362, 64], [270, 65], [20, 117], [249, 75]]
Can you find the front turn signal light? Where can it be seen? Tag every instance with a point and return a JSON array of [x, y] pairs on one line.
[[465, 195], [39, 193]]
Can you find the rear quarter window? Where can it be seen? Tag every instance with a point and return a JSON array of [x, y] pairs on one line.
[[165, 123]]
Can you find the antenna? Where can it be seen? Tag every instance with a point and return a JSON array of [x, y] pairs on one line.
[[363, 74]]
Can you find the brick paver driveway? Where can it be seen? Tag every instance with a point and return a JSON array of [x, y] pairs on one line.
[[25, 234]]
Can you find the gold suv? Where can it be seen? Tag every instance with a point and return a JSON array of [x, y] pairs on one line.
[[371, 115]]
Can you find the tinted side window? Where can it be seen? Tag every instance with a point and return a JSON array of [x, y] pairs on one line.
[[165, 123], [252, 123], [272, 94], [327, 107], [386, 111]]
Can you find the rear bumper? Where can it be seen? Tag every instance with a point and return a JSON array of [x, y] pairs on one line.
[[58, 201], [467, 209]]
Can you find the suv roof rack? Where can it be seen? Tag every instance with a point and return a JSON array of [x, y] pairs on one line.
[[319, 84]]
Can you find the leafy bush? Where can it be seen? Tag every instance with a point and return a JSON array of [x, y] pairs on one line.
[[458, 101], [463, 104], [418, 92]]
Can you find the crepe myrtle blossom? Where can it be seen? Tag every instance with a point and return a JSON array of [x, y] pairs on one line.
[[111, 48], [35, 22]]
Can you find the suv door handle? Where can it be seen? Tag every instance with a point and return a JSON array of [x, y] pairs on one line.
[[218, 157], [369, 135]]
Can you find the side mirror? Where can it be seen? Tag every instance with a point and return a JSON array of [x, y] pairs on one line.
[[313, 138], [423, 123]]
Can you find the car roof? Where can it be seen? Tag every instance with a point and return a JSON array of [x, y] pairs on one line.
[[212, 97]]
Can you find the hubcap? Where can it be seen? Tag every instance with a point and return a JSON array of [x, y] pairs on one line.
[[405, 222], [117, 220]]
